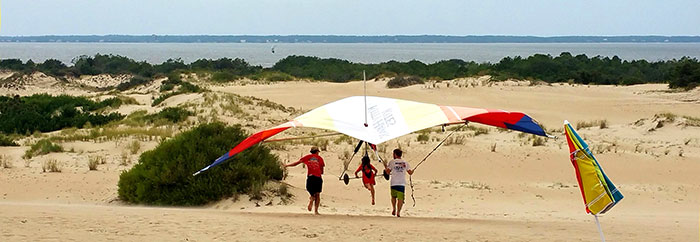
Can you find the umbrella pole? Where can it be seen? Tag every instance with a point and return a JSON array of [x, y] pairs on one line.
[[602, 238]]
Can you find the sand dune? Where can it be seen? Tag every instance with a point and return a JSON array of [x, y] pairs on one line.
[[464, 192]]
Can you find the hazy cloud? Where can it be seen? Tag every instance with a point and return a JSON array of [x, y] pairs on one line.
[[266, 17]]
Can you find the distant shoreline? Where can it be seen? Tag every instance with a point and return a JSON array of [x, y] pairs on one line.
[[345, 39]]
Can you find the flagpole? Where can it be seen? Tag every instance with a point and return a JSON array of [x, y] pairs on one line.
[[602, 238], [364, 77]]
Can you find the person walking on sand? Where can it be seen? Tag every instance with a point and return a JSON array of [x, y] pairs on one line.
[[398, 168], [368, 173], [314, 182]]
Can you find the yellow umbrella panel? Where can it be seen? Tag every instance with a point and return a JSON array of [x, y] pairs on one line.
[[599, 193]]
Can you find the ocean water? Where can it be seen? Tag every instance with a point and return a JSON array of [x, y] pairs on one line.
[[261, 54]]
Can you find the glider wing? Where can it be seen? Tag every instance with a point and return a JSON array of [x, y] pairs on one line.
[[388, 118]]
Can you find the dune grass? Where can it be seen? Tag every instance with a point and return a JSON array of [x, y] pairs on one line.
[[134, 147], [5, 162], [667, 115], [602, 124], [94, 161], [671, 117], [455, 140], [538, 141], [692, 121], [51, 165], [42, 147], [114, 133]]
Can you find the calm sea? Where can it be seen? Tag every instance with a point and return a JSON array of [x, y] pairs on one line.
[[261, 54]]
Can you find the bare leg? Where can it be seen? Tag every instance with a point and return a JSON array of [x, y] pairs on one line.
[[371, 190], [311, 202], [393, 206], [318, 202], [398, 213]]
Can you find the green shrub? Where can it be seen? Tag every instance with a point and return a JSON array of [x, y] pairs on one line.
[[163, 175], [404, 81], [423, 137], [166, 87], [273, 76], [7, 141], [185, 87], [45, 113], [162, 98], [172, 114], [222, 76], [133, 82], [42, 147]]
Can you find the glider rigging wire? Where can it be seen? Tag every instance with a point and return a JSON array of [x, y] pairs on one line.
[[410, 177]]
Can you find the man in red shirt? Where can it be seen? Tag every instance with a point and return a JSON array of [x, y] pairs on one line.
[[314, 182]]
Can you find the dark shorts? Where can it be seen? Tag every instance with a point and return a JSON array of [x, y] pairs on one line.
[[314, 184]]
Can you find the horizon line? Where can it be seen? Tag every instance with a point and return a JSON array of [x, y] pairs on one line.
[[153, 38]]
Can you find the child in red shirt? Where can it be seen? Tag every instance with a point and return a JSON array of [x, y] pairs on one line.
[[368, 173]]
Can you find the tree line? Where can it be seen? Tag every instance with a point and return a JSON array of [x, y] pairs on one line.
[[678, 73]]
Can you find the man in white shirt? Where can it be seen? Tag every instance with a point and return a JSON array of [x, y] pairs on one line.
[[398, 168]]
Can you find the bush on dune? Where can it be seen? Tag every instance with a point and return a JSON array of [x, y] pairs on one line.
[[404, 81], [46, 113], [163, 175], [7, 141], [133, 82], [170, 84], [172, 114], [273, 76]]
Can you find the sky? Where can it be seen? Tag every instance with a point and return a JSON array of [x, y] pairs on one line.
[[349, 17]]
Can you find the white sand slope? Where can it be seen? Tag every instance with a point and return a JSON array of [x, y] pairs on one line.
[[464, 192]]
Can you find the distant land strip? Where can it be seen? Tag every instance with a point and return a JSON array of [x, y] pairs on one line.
[[347, 39]]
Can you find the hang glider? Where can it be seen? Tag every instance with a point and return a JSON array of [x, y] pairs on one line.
[[378, 119], [599, 193]]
